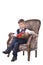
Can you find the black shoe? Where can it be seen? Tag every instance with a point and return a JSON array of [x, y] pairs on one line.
[[14, 58], [5, 52]]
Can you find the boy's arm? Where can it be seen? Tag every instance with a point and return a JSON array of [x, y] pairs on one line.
[[30, 32]]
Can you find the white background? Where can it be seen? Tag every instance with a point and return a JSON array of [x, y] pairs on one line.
[[10, 12]]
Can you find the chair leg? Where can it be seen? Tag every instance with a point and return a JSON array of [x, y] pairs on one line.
[[23, 52], [29, 56], [35, 53]]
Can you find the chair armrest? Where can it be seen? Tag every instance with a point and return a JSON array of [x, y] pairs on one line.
[[35, 35], [10, 33]]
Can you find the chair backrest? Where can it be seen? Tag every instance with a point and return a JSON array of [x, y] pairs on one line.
[[33, 24]]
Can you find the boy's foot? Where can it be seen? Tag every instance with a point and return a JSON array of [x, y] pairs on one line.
[[5, 52], [14, 58]]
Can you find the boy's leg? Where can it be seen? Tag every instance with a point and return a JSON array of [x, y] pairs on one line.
[[15, 50], [8, 50]]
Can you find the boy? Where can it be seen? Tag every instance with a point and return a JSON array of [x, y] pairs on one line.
[[20, 38]]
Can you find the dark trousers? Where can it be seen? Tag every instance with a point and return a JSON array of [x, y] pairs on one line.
[[15, 45]]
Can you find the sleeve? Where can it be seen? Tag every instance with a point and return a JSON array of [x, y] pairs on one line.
[[29, 31]]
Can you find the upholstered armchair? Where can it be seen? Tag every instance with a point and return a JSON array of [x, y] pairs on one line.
[[34, 25]]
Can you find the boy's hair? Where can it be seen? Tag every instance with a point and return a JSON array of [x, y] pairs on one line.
[[20, 21]]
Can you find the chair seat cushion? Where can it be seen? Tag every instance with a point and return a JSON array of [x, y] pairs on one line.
[[23, 47]]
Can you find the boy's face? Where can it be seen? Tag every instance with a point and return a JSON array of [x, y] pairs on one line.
[[22, 25]]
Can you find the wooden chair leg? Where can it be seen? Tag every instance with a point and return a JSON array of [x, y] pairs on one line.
[[29, 56], [23, 52], [35, 53]]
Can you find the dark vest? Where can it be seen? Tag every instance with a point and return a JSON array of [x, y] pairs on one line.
[[18, 30]]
